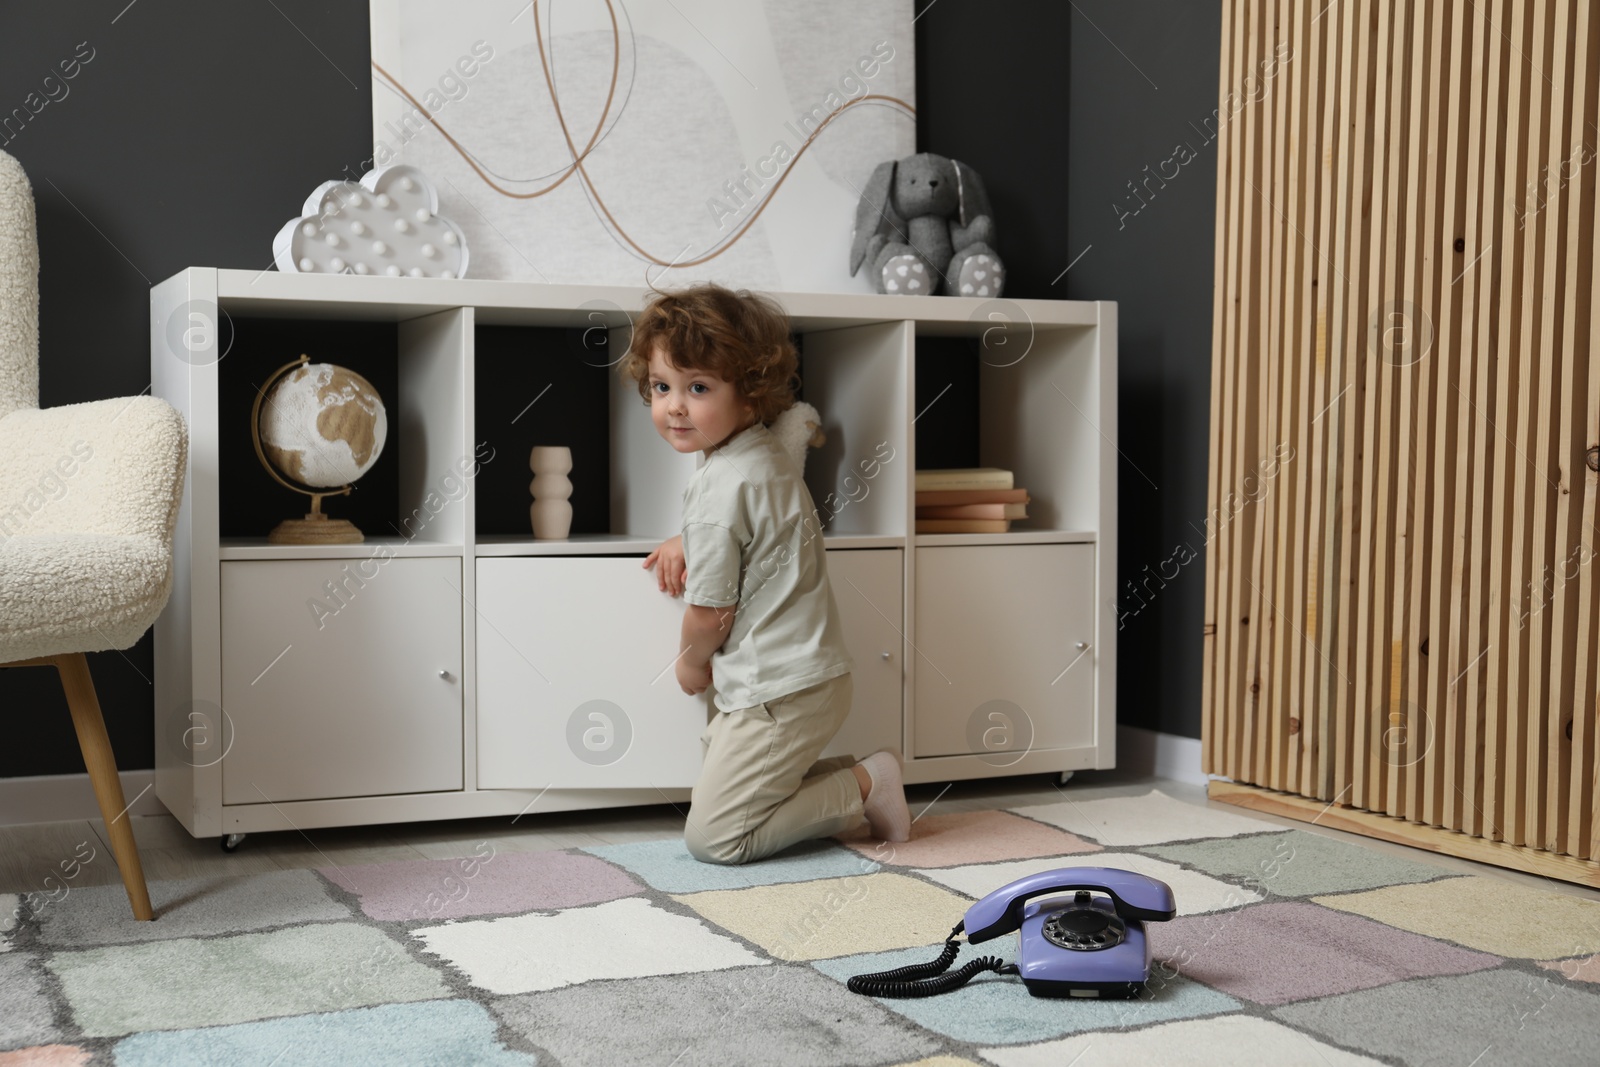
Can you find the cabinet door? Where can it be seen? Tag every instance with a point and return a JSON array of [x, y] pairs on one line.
[[999, 670], [867, 586], [576, 687], [341, 678]]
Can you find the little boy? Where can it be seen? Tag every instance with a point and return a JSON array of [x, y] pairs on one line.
[[761, 628]]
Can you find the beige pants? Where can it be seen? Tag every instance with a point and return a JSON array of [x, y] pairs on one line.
[[762, 787]]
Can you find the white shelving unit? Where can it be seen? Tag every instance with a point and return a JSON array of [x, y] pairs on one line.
[[469, 671]]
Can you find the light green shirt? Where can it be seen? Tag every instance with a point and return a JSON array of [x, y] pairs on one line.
[[751, 537]]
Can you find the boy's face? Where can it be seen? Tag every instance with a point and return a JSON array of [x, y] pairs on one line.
[[694, 410]]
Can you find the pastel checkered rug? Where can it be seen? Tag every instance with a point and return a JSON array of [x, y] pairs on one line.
[[1290, 948]]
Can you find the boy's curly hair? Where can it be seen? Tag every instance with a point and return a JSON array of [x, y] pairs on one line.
[[740, 337]]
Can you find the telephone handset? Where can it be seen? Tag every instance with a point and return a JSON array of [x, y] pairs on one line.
[[1093, 946]]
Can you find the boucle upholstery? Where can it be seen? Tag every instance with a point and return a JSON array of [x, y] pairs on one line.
[[89, 493], [19, 291]]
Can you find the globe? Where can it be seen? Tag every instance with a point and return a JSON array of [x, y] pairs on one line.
[[323, 425]]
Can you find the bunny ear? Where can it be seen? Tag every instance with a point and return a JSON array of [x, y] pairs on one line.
[[873, 213], [961, 192], [971, 197]]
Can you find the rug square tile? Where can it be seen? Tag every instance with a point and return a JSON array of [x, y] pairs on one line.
[[1151, 819], [441, 1033], [25, 1015], [781, 1015], [485, 883], [1194, 892], [1578, 969], [1237, 1040], [625, 938], [195, 907], [1492, 1017], [833, 916], [997, 1009], [171, 985], [1277, 953], [1526, 923], [1297, 864], [972, 837], [10, 915], [668, 866], [47, 1056]]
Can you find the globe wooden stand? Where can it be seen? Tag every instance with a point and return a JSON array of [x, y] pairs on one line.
[[317, 528]]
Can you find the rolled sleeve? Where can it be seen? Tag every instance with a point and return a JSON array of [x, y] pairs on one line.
[[712, 556]]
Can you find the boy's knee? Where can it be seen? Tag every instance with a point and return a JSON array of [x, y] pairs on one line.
[[723, 853]]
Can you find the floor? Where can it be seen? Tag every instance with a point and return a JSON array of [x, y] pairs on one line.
[[38, 857]]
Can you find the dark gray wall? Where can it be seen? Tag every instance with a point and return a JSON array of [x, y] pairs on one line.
[[195, 126], [1144, 82], [1060, 107], [187, 139]]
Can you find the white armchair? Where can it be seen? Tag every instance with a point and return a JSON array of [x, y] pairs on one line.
[[89, 498]]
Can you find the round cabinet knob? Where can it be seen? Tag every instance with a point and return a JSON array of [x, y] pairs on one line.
[[886, 655], [1082, 645], [445, 675]]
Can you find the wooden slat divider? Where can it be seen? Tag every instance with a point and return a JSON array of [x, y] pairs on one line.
[[1350, 227], [1561, 739], [1415, 222], [1541, 779], [1219, 550], [1587, 699], [1456, 701], [1263, 678], [1316, 690], [1389, 218], [1408, 741], [1452, 363], [1301, 108], [1505, 571], [1483, 270], [1530, 525], [1211, 760], [1576, 592], [1264, 368], [1402, 605], [1250, 298]]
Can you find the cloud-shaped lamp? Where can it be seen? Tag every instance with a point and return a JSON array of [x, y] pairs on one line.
[[387, 223]]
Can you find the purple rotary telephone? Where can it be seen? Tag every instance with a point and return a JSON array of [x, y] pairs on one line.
[[1094, 946]]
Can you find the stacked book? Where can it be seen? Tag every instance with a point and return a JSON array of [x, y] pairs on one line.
[[968, 500]]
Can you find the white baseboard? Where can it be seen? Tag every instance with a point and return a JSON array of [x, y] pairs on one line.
[[1163, 755], [64, 797]]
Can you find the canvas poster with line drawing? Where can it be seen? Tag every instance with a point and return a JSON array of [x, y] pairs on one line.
[[591, 141]]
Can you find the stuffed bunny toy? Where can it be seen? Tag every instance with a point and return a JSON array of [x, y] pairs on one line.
[[905, 230], [797, 429]]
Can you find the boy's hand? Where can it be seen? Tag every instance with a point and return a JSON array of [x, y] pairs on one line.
[[693, 680], [670, 555]]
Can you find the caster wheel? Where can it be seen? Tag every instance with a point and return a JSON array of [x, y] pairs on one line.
[[1066, 776], [231, 842]]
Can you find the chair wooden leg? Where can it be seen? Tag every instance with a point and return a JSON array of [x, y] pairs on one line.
[[102, 765]]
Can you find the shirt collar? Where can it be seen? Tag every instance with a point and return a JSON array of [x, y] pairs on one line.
[[744, 440]]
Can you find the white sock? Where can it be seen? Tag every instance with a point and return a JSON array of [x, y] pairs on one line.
[[885, 806]]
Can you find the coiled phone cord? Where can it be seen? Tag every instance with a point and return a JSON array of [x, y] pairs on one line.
[[928, 979]]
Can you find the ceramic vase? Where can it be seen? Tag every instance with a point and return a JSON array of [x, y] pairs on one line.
[[551, 510]]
